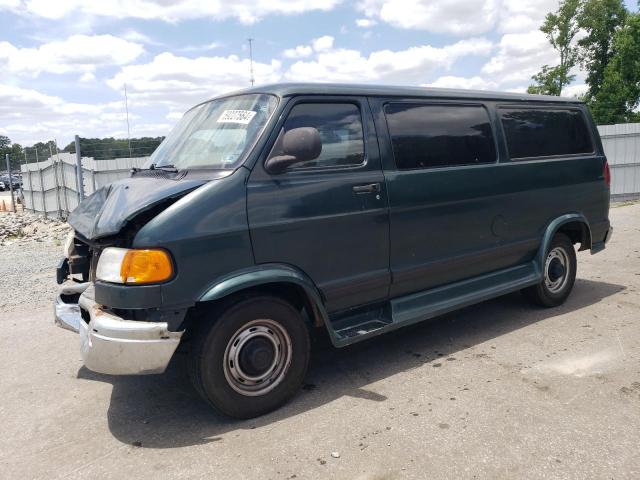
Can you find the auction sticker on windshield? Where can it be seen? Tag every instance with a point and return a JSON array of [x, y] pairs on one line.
[[237, 116]]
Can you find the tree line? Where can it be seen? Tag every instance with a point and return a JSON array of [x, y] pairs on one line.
[[98, 148], [603, 38]]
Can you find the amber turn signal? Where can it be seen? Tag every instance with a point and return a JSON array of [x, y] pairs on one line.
[[146, 266]]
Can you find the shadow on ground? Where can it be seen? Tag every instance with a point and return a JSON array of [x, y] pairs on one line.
[[163, 411]]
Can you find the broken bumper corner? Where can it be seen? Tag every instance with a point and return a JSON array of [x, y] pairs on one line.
[[108, 343]]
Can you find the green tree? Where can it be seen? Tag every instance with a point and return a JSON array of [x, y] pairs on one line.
[[560, 27], [106, 148], [600, 19], [15, 153], [618, 99]]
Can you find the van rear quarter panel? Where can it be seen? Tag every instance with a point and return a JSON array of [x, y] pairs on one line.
[[542, 190], [452, 223]]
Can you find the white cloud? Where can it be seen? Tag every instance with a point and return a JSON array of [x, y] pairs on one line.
[[201, 48], [473, 83], [87, 77], [519, 16], [459, 17], [30, 116], [365, 22], [246, 11], [301, 51], [78, 53], [322, 44], [180, 82], [575, 90], [519, 56], [411, 66], [135, 36]]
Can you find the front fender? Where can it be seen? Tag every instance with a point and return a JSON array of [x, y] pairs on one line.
[[551, 230], [265, 274]]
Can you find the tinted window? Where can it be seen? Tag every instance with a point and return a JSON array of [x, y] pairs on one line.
[[543, 133], [426, 136], [340, 127]]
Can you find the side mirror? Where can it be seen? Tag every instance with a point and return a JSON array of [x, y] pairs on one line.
[[298, 145]]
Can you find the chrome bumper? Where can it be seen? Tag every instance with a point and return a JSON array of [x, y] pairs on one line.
[[110, 344]]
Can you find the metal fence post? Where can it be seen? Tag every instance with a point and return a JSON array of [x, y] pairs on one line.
[[26, 165], [62, 179], [42, 195], [56, 168], [13, 200], [79, 170]]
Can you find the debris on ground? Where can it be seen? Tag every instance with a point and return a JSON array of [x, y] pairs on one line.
[[26, 226]]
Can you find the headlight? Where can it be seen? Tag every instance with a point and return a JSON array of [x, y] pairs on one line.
[[123, 265], [68, 244]]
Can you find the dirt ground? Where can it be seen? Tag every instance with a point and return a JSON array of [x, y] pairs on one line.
[[498, 390]]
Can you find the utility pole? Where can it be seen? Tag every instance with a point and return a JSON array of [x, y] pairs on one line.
[[13, 200], [126, 107], [79, 170], [252, 80]]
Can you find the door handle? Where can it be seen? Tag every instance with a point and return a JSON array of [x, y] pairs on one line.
[[370, 188]]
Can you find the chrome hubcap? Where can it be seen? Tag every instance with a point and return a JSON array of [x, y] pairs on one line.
[[556, 271], [257, 357]]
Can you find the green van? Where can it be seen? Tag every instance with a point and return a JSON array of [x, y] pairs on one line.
[[274, 212]]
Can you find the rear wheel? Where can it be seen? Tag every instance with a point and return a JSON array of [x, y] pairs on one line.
[[559, 274], [252, 358]]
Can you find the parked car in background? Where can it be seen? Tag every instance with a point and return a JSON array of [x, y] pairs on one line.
[[280, 210], [16, 181], [3, 186]]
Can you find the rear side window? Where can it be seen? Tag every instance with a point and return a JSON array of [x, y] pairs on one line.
[[426, 136], [340, 128], [544, 133]]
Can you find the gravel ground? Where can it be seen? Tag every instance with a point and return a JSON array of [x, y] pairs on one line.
[[27, 272], [501, 390]]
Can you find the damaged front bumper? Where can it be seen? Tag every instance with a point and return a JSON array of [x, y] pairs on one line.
[[108, 343]]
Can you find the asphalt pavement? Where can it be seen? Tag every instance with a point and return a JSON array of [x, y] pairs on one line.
[[498, 390]]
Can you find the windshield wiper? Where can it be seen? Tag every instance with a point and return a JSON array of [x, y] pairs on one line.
[[165, 168]]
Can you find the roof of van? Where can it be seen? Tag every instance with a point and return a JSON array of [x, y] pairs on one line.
[[288, 89]]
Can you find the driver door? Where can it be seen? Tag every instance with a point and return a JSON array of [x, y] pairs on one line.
[[329, 216]]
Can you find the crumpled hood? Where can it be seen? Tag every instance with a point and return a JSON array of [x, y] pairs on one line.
[[107, 210]]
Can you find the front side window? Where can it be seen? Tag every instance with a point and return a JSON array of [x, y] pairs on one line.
[[340, 129], [217, 134], [429, 136], [534, 132]]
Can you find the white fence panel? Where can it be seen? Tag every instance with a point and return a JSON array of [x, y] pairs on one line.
[[50, 187], [621, 144]]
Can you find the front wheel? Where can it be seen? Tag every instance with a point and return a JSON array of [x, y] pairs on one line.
[[252, 358], [559, 274]]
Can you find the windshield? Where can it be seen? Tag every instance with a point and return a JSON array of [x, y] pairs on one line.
[[216, 134]]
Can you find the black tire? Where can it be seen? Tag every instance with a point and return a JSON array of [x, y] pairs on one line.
[[554, 288], [262, 326]]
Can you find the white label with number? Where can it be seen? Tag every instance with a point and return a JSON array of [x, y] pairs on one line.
[[237, 116]]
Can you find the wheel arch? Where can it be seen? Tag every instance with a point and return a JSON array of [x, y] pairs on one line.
[[574, 225], [279, 280]]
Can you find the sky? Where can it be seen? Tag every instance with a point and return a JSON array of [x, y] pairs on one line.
[[64, 63]]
